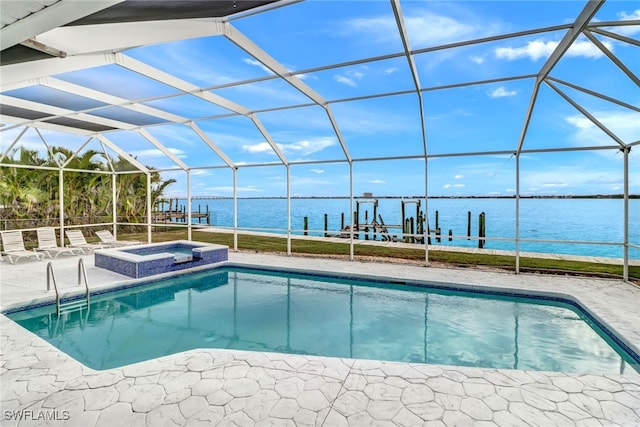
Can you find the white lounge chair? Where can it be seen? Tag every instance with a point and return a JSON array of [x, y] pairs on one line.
[[13, 247], [77, 240], [48, 243], [107, 238]]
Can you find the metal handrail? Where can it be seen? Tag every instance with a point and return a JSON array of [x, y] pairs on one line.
[[52, 275], [84, 275]]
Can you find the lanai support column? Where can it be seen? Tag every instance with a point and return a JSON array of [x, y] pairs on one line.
[[625, 267], [351, 255], [517, 212], [189, 204], [114, 210], [61, 202], [288, 209], [148, 207], [397, 11], [425, 231], [235, 208]]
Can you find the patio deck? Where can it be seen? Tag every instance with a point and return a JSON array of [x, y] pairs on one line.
[[209, 387]]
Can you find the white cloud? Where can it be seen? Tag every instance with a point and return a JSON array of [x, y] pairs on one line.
[[303, 147], [587, 49], [262, 147], [555, 185], [199, 172], [318, 171], [538, 49], [630, 30], [258, 64], [306, 147], [502, 92], [391, 70], [458, 176], [635, 15], [602, 179], [382, 28], [377, 181], [534, 50], [432, 29], [624, 124], [477, 59], [155, 153], [454, 186], [344, 80], [349, 77]]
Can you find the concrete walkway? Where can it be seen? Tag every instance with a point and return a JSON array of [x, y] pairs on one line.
[[221, 387]]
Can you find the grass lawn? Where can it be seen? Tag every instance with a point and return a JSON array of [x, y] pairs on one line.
[[276, 244]]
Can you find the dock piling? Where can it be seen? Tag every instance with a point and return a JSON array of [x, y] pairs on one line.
[[481, 230], [326, 225]]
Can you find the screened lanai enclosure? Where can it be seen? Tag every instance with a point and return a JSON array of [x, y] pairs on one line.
[[284, 100]]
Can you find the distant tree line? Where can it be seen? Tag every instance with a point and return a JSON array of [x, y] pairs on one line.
[[30, 197]]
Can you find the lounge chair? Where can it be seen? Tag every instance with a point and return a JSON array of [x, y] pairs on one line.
[[48, 243], [77, 240], [107, 238], [13, 247]]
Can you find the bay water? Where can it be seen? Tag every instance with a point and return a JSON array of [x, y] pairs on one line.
[[573, 219]]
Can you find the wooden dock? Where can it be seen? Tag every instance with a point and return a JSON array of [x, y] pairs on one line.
[[179, 214]]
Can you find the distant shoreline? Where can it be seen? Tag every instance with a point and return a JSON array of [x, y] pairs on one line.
[[590, 196]]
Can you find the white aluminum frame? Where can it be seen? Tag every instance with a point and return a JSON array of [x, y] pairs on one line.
[[97, 50]]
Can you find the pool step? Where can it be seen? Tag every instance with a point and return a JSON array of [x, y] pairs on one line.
[[72, 306]]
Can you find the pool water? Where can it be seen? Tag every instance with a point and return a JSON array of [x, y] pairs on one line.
[[178, 250], [239, 308]]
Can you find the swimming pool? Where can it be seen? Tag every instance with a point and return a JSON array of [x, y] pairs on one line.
[[249, 309]]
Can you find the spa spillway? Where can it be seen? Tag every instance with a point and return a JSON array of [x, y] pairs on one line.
[[157, 258]]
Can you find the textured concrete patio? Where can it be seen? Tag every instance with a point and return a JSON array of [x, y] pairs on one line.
[[222, 387]]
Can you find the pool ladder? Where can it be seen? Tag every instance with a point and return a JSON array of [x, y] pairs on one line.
[[73, 305]]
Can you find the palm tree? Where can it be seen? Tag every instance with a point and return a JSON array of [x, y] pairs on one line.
[[34, 193]]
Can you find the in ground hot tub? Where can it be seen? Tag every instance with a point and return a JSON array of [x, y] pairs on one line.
[[156, 258]]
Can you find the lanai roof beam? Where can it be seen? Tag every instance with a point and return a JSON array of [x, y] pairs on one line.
[[613, 58], [15, 141], [15, 76], [211, 144], [110, 100], [53, 16], [615, 36], [596, 94], [572, 34], [586, 114], [75, 153], [168, 79], [163, 149], [122, 153], [254, 50]]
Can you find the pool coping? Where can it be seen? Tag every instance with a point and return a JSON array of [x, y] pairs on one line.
[[330, 391]]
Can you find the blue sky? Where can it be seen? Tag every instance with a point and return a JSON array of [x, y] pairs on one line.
[[478, 118]]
